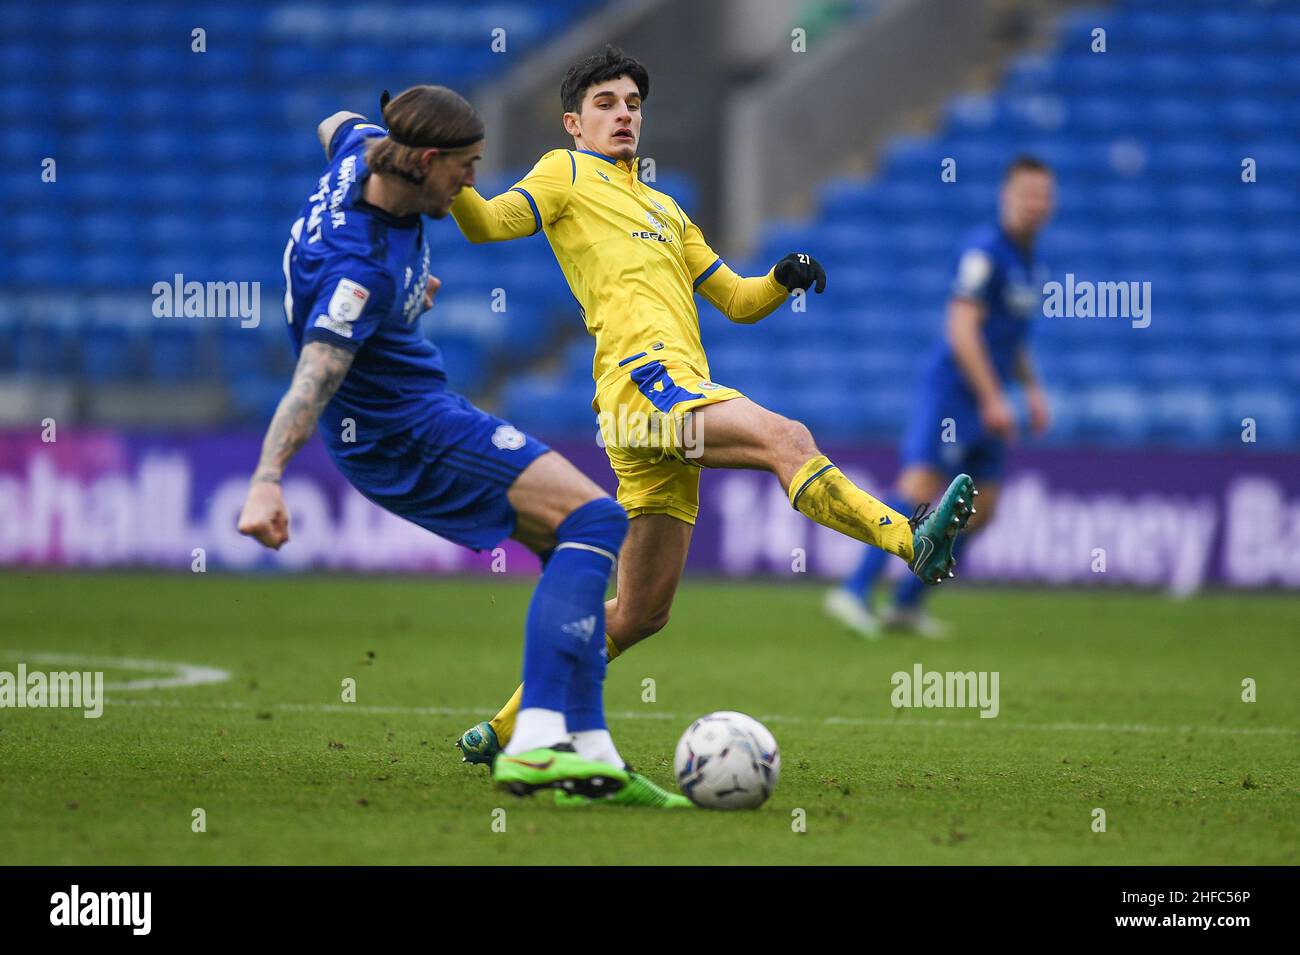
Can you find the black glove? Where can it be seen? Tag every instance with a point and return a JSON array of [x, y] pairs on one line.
[[799, 270]]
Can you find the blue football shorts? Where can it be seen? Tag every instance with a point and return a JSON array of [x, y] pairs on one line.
[[449, 474]]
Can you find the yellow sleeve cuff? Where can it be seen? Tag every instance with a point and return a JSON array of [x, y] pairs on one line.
[[743, 300]]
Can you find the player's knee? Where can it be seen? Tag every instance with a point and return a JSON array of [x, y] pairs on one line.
[[649, 623], [794, 441], [601, 523], [658, 620]]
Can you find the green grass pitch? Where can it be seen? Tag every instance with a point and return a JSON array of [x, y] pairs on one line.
[[1124, 702]]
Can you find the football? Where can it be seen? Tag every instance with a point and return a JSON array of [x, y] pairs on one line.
[[727, 760]]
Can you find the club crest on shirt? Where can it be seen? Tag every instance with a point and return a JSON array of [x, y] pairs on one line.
[[508, 438]]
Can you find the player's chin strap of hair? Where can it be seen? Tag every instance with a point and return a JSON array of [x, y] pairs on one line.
[[384, 97]]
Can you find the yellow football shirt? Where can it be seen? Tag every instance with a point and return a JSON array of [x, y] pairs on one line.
[[632, 257]]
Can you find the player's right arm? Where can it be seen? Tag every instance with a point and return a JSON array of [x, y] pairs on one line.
[[525, 208], [321, 369], [1040, 412], [965, 317], [967, 311], [353, 300]]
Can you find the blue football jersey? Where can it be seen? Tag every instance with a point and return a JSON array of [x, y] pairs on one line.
[[355, 278], [1007, 280]]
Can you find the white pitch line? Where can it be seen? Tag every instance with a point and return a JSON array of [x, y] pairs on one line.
[[184, 674], [767, 718], [188, 674]]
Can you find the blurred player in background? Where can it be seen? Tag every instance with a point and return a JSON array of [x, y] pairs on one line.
[[357, 271], [633, 260], [964, 418]]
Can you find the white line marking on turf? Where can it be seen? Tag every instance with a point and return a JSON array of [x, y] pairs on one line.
[[766, 718], [182, 674]]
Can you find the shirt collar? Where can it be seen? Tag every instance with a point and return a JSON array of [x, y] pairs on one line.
[[620, 163]]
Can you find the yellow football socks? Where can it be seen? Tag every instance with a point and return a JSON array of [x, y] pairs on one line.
[[503, 724], [820, 491]]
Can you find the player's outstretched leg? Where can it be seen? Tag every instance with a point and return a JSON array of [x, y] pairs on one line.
[[924, 540], [741, 434]]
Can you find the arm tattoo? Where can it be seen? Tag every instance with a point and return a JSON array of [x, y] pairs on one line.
[[321, 369]]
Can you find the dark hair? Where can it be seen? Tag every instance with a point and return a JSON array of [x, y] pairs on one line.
[[601, 68], [422, 114], [1025, 163]]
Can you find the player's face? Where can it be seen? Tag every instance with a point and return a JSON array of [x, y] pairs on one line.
[[1028, 199], [610, 121], [449, 173]]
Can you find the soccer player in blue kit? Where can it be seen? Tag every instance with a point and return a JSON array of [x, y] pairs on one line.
[[963, 418], [357, 275]]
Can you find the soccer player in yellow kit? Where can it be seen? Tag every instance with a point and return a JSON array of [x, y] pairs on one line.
[[634, 259]]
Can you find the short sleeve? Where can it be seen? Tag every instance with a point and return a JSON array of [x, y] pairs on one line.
[[976, 272], [355, 295], [548, 185]]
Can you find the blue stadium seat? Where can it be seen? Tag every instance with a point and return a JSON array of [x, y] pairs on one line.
[[1275, 413], [1196, 203], [1031, 73], [1186, 414], [179, 350], [109, 353], [43, 349], [1147, 140], [547, 405]]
